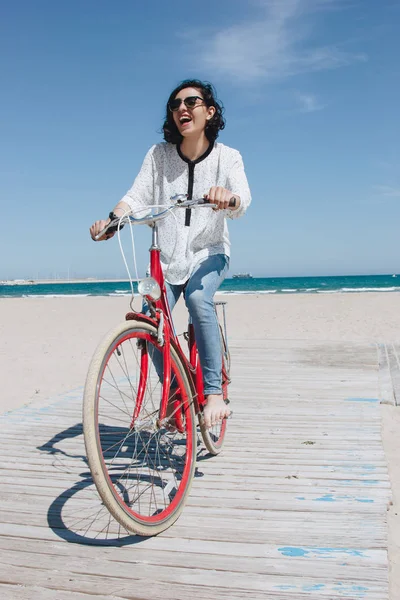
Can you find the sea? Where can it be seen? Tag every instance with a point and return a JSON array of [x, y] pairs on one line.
[[258, 285]]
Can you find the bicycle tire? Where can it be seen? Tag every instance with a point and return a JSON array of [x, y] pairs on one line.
[[142, 471], [214, 437]]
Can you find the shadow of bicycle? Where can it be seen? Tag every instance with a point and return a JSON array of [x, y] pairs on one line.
[[78, 514]]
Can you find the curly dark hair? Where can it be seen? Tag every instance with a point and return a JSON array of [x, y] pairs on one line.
[[214, 125]]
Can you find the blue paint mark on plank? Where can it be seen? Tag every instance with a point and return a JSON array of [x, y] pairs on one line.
[[346, 591], [333, 498], [312, 588], [326, 498], [290, 551], [370, 481], [361, 399], [364, 500], [351, 467], [285, 587], [296, 551], [357, 481]]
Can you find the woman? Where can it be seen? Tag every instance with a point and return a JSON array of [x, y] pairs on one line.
[[195, 248]]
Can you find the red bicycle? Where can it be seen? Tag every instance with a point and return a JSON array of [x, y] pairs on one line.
[[142, 396]]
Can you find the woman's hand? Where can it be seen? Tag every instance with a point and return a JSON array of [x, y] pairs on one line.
[[221, 197], [97, 227], [120, 210]]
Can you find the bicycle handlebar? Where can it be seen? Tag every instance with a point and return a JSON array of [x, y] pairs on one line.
[[179, 201]]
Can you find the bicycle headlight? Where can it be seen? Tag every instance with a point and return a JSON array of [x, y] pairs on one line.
[[149, 287]]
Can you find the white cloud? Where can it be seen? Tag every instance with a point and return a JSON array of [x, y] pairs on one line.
[[275, 46], [388, 191]]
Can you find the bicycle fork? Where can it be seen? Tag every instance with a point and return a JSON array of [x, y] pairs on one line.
[[163, 338]]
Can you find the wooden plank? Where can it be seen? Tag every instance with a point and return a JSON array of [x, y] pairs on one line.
[[294, 507], [394, 365], [166, 568], [21, 592], [185, 581], [206, 556]]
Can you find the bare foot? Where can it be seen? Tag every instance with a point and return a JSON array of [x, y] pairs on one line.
[[215, 410]]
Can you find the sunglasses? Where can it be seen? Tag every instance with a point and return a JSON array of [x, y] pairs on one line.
[[190, 102]]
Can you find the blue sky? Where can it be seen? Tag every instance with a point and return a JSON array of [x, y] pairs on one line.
[[311, 92]]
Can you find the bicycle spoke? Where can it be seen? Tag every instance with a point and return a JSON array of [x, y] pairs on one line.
[[146, 466]]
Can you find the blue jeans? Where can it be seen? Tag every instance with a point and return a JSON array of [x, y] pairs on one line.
[[199, 293]]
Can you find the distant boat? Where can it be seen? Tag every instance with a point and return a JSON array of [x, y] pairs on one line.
[[242, 276], [394, 275]]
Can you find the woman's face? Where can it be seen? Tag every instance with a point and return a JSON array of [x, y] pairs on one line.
[[191, 121]]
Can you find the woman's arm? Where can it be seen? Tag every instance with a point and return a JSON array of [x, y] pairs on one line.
[[136, 198], [141, 193], [237, 183], [236, 187]]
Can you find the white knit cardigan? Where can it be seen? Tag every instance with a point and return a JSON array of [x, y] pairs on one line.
[[166, 172]]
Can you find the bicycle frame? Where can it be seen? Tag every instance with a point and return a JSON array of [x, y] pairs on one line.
[[163, 319]]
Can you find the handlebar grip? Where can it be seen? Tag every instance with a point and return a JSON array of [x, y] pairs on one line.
[[232, 202], [109, 229]]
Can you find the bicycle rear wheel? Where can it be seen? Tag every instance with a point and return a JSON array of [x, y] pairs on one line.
[[214, 437], [142, 469]]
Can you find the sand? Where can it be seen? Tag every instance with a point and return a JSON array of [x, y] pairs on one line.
[[46, 345]]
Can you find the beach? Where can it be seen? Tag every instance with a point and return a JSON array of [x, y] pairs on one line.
[[46, 345]]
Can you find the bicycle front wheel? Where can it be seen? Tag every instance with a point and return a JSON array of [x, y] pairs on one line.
[[143, 469]]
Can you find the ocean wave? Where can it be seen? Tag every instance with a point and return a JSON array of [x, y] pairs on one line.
[[54, 295], [241, 292], [361, 290], [371, 289], [254, 287], [119, 294]]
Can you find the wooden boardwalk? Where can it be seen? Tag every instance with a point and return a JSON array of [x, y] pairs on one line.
[[294, 508]]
